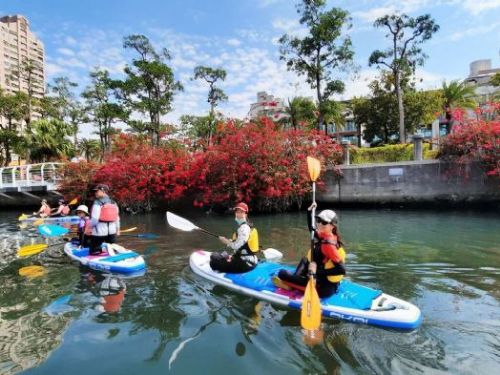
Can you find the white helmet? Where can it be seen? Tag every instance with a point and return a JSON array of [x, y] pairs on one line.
[[83, 208], [328, 216]]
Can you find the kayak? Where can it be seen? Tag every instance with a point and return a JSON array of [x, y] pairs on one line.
[[352, 302], [125, 262], [59, 219]]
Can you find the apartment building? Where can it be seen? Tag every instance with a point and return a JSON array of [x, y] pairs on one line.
[[18, 47]]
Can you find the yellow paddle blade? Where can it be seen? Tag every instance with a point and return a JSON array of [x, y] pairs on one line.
[[314, 167], [310, 316], [73, 202], [38, 222], [22, 217], [128, 230], [31, 249], [32, 271]]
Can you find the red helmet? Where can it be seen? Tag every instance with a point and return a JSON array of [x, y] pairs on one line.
[[241, 206]]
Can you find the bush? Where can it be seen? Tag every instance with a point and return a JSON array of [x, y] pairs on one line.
[[259, 164], [474, 141], [388, 153]]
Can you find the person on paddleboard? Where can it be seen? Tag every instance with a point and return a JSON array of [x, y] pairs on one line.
[[245, 246], [104, 219], [84, 226], [62, 210], [44, 210], [326, 262]]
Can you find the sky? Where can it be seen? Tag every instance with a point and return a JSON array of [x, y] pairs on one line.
[[241, 36]]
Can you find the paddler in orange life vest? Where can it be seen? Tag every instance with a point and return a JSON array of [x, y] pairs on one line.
[[84, 226], [245, 246], [104, 220], [44, 210], [62, 210], [327, 261]]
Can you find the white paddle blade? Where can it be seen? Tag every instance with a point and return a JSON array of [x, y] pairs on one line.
[[180, 223], [272, 254]]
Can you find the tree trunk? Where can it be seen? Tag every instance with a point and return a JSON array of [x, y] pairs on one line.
[[399, 95], [211, 123]]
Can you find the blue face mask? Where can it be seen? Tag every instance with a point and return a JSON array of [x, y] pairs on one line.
[[239, 221]]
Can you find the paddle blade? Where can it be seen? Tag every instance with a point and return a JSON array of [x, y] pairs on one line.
[[180, 223], [314, 167], [272, 254], [128, 230], [38, 222], [22, 217], [73, 201], [31, 249], [47, 230], [32, 271], [310, 316]]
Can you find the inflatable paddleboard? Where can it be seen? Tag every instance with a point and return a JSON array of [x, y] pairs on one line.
[[352, 302], [53, 220], [125, 262]]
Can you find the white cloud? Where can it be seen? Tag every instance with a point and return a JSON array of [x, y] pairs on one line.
[[476, 30], [66, 51], [478, 6], [233, 42], [266, 3], [372, 14]]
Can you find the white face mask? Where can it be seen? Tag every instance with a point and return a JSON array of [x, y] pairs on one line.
[[239, 221]]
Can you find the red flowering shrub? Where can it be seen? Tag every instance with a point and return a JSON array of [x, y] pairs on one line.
[[259, 164], [78, 179], [141, 175], [474, 140]]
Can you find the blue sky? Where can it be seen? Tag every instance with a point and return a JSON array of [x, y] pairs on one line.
[[241, 37]]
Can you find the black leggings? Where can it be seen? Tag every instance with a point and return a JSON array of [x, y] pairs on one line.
[[97, 241], [323, 286], [219, 262]]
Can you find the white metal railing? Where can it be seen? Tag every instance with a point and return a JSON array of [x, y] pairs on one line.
[[43, 174]]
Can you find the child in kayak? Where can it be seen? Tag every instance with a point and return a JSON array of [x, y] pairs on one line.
[[326, 261], [244, 244]]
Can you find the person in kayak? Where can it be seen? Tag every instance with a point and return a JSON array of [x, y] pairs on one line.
[[62, 210], [245, 246], [44, 210], [326, 262], [84, 226], [104, 220]]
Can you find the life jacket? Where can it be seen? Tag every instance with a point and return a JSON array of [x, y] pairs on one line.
[[109, 212], [84, 226], [251, 247], [65, 210], [326, 262]]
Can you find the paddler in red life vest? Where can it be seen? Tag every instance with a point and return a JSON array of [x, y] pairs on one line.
[[326, 262], [84, 226], [245, 246], [62, 210], [44, 210], [104, 219]]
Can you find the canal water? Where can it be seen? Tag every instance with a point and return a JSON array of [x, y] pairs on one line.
[[170, 320]]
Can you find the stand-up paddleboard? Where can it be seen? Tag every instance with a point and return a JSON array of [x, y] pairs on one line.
[[52, 220], [352, 302], [125, 262]]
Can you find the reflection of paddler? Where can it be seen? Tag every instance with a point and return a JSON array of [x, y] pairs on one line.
[[112, 292]]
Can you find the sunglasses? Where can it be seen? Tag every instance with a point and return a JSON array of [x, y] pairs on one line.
[[322, 222]]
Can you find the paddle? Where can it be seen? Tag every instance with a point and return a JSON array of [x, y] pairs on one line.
[[310, 316], [29, 250], [48, 230], [32, 271], [149, 236], [187, 226]]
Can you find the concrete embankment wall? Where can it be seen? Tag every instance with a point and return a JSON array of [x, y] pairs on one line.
[[412, 183]]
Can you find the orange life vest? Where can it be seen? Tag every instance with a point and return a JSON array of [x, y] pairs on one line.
[[109, 212]]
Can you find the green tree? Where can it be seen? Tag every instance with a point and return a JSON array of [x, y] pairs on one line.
[[196, 127], [63, 97], [149, 86], [103, 112], [215, 94], [334, 114], [302, 112], [458, 94], [89, 148], [407, 34], [50, 139], [14, 109], [320, 52]]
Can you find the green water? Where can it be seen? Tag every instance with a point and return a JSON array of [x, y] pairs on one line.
[[172, 321]]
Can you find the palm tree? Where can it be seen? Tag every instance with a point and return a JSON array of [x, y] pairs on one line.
[[90, 148], [49, 139], [458, 94]]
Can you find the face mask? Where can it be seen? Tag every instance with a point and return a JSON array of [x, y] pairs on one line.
[[239, 221]]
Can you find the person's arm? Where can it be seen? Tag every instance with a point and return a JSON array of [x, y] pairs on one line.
[[338, 269], [96, 212], [309, 217]]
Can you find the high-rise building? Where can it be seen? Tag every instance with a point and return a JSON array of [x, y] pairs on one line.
[[21, 57], [268, 106]]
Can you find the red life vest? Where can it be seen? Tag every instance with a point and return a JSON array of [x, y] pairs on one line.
[[109, 212], [46, 210]]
